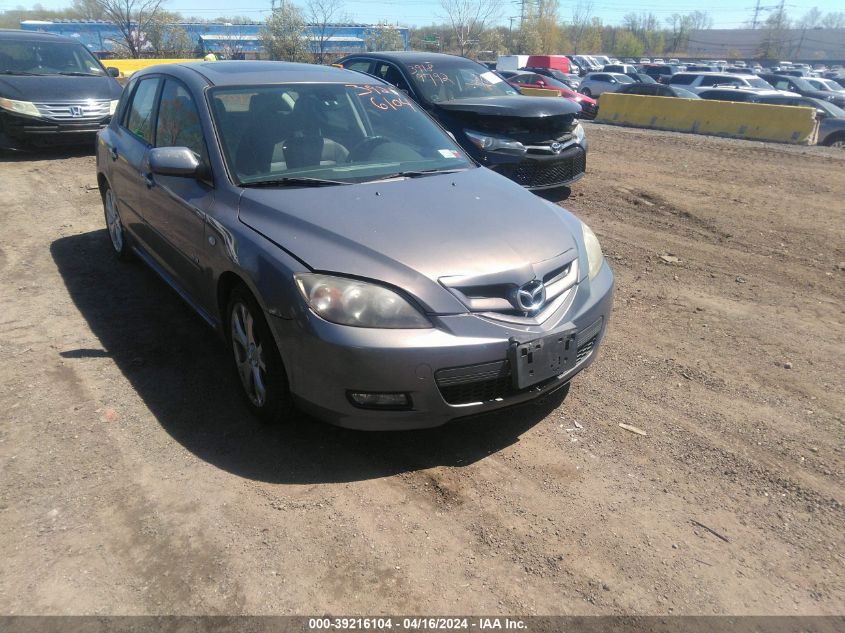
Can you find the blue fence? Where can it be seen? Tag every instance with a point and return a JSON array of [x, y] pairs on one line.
[[232, 39]]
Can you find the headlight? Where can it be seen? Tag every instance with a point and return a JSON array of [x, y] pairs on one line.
[[19, 107], [113, 106], [357, 303], [579, 132], [594, 254], [494, 143]]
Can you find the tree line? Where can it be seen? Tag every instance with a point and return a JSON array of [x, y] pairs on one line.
[[471, 28]]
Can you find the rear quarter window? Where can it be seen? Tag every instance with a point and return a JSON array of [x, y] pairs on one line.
[[140, 118]]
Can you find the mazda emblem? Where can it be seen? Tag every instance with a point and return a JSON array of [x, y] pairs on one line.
[[76, 111], [531, 296]]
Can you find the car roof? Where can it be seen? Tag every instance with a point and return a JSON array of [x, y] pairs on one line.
[[33, 36], [240, 73], [410, 57]]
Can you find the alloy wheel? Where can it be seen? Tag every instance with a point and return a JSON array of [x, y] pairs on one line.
[[113, 222], [249, 354]]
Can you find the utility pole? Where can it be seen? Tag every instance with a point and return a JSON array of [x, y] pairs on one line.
[[756, 14]]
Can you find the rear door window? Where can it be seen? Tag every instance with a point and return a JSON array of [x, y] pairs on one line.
[[141, 112]]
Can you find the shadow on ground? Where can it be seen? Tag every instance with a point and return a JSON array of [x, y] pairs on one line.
[[558, 194], [181, 370], [8, 155]]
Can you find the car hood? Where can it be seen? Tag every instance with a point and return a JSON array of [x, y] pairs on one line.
[[515, 106], [410, 233], [825, 95], [58, 88]]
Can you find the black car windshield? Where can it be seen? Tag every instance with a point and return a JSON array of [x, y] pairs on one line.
[[338, 133], [456, 79], [802, 84], [47, 58], [757, 82]]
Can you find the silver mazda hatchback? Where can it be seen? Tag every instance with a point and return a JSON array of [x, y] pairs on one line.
[[356, 261]]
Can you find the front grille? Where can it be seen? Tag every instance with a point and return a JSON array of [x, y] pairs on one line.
[[546, 173], [482, 391], [75, 111], [494, 294]]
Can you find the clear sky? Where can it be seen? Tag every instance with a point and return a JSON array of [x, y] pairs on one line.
[[725, 14]]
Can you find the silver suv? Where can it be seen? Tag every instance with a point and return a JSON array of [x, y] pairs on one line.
[[697, 82]]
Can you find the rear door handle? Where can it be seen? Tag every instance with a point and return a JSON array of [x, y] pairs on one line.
[[148, 179]]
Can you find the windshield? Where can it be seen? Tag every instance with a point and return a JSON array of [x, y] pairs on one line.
[[623, 79], [458, 79], [345, 133], [47, 58], [561, 76], [756, 82], [685, 94], [802, 84], [554, 83], [831, 109]]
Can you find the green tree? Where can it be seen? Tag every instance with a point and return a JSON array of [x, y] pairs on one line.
[[383, 37], [133, 19], [283, 35], [165, 38], [628, 45], [468, 19]]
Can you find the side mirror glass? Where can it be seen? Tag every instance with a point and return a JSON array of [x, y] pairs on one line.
[[174, 161], [113, 72]]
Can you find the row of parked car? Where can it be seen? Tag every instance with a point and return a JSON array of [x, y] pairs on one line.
[[790, 86]]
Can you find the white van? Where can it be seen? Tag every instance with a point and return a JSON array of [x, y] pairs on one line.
[[511, 62]]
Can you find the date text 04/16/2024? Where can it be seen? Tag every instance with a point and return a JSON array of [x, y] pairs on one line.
[[416, 623]]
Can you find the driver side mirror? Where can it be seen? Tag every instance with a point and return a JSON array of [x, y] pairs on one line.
[[113, 72], [175, 161], [541, 83], [820, 114]]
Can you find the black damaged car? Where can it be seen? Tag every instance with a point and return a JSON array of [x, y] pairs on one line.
[[52, 91], [535, 141]]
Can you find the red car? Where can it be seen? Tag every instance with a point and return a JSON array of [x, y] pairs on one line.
[[589, 107]]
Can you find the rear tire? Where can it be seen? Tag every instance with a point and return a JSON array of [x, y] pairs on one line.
[[256, 359], [117, 232]]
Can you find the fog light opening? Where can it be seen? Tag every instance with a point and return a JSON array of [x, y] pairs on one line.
[[375, 400]]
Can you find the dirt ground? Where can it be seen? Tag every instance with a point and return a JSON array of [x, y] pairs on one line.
[[134, 481]]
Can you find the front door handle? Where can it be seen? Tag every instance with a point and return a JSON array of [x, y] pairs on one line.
[[113, 152]]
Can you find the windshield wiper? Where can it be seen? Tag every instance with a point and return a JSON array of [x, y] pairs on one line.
[[76, 73], [17, 72], [418, 173], [294, 181]]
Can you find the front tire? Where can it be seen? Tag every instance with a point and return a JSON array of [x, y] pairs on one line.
[[587, 92], [256, 358], [837, 141], [117, 232]]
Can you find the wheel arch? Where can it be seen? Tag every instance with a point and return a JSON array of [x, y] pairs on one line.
[[227, 282], [833, 138], [102, 183]]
